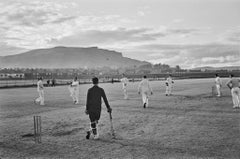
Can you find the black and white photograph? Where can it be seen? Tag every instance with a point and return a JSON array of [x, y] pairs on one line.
[[120, 79]]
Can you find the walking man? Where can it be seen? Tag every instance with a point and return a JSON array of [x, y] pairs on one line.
[[53, 82], [93, 107], [48, 83], [218, 83], [169, 85], [40, 91], [233, 84], [124, 81], [74, 90], [144, 88]]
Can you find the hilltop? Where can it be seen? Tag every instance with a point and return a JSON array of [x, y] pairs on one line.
[[68, 57]]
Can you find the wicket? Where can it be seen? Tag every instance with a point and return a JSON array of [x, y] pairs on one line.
[[37, 129]]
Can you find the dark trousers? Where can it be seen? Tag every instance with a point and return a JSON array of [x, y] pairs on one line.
[[94, 117]]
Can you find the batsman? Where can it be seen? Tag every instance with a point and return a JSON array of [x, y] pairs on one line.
[[93, 107]]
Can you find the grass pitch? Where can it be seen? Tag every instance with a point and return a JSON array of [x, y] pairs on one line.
[[189, 124]]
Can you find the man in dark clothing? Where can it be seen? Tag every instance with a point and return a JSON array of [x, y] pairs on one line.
[[48, 83], [53, 82], [93, 106]]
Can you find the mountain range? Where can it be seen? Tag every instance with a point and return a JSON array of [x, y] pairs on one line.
[[69, 57]]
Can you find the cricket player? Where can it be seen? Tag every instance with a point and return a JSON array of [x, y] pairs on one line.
[[124, 82], [40, 90], [74, 90], [169, 85], [144, 88], [218, 83], [233, 84], [93, 107]]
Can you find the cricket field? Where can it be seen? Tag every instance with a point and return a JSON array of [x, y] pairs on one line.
[[189, 124]]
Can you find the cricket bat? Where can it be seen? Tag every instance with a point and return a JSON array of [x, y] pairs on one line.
[[112, 130]]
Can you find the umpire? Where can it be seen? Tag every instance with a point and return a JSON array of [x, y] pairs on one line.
[[93, 107]]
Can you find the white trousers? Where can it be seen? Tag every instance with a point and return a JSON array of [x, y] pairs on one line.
[[218, 87], [40, 99], [145, 98], [236, 96], [125, 93], [169, 90], [74, 93], [75, 96]]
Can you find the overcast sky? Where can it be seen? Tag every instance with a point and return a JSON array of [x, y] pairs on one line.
[[189, 33]]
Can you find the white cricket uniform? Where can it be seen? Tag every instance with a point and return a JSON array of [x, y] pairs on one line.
[[169, 86], [218, 83], [144, 87], [235, 91], [74, 91], [40, 91], [124, 81]]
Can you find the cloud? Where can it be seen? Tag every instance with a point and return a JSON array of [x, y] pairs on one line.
[[141, 13], [31, 24], [9, 50], [115, 35], [230, 36], [33, 13], [193, 55], [213, 59], [111, 35], [178, 20], [178, 58], [234, 35], [164, 54], [39, 24], [182, 31]]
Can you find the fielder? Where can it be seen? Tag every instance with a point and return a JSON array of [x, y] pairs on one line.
[[233, 84], [169, 85], [74, 90], [93, 107], [144, 88], [40, 90], [218, 83], [124, 82]]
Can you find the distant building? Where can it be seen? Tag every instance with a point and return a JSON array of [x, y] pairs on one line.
[[12, 75]]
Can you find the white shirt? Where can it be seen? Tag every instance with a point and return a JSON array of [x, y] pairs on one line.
[[144, 86], [75, 84], [218, 81], [169, 81], [124, 81], [40, 85]]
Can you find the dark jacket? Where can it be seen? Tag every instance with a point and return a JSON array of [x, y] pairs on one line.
[[94, 99]]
